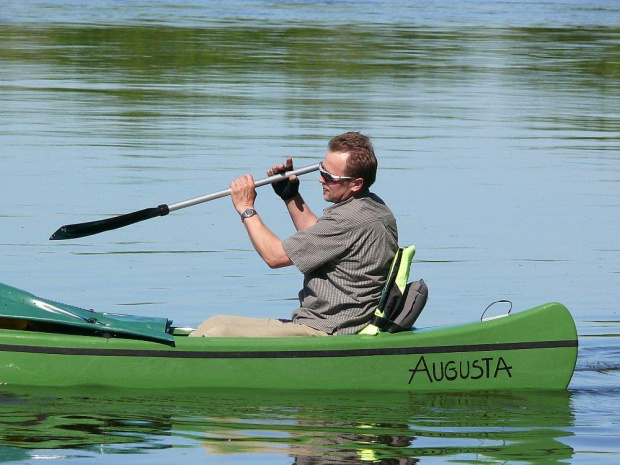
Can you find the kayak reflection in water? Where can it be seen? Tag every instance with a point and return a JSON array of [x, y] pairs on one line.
[[344, 255]]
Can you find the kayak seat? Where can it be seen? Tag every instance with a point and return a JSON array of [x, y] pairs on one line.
[[401, 302]]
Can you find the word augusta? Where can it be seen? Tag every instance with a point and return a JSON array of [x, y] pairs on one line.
[[485, 367]]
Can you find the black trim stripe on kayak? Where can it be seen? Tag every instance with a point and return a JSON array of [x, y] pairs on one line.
[[255, 354]]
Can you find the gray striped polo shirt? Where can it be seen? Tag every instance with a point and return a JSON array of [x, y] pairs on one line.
[[345, 258]]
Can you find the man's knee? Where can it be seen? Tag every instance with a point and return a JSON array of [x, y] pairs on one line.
[[215, 326]]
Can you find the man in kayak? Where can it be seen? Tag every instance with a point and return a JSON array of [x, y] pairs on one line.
[[344, 255]]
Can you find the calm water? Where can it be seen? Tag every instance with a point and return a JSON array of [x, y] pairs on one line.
[[497, 126]]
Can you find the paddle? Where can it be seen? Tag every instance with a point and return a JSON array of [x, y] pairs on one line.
[[73, 231]]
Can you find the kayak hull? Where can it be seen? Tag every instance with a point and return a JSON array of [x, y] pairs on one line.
[[532, 349]]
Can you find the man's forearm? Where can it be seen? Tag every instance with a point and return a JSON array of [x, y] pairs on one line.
[[266, 243], [300, 213]]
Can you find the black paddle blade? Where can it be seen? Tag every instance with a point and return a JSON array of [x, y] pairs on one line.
[[73, 231]]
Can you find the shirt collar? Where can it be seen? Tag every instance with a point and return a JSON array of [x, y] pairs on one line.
[[365, 193]]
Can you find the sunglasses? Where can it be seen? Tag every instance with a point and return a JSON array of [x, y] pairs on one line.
[[330, 178]]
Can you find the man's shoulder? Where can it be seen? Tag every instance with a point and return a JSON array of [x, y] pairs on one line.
[[374, 199]]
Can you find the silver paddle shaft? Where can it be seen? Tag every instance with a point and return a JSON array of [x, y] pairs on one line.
[[260, 182]]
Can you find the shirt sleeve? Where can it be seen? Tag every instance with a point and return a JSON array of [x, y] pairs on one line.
[[317, 245]]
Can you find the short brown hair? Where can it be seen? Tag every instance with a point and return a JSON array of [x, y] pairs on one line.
[[361, 162]]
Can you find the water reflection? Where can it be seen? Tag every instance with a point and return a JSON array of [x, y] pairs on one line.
[[313, 427], [148, 64]]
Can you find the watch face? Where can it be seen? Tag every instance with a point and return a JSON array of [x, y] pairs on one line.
[[249, 212]]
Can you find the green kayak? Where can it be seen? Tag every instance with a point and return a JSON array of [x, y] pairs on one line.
[[46, 343]]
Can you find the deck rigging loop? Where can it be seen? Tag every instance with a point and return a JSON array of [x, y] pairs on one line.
[[482, 318]]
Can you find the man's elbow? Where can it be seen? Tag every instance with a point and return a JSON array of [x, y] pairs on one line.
[[278, 261], [273, 264]]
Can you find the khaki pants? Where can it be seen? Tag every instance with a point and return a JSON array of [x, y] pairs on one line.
[[240, 326]]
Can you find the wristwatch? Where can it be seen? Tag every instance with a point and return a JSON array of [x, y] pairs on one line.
[[249, 212]]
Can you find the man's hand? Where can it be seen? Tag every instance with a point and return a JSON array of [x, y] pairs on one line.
[[243, 193], [266, 243], [288, 188]]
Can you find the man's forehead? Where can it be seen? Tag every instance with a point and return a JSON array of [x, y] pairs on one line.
[[336, 159]]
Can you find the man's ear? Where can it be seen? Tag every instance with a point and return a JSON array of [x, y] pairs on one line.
[[358, 184]]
